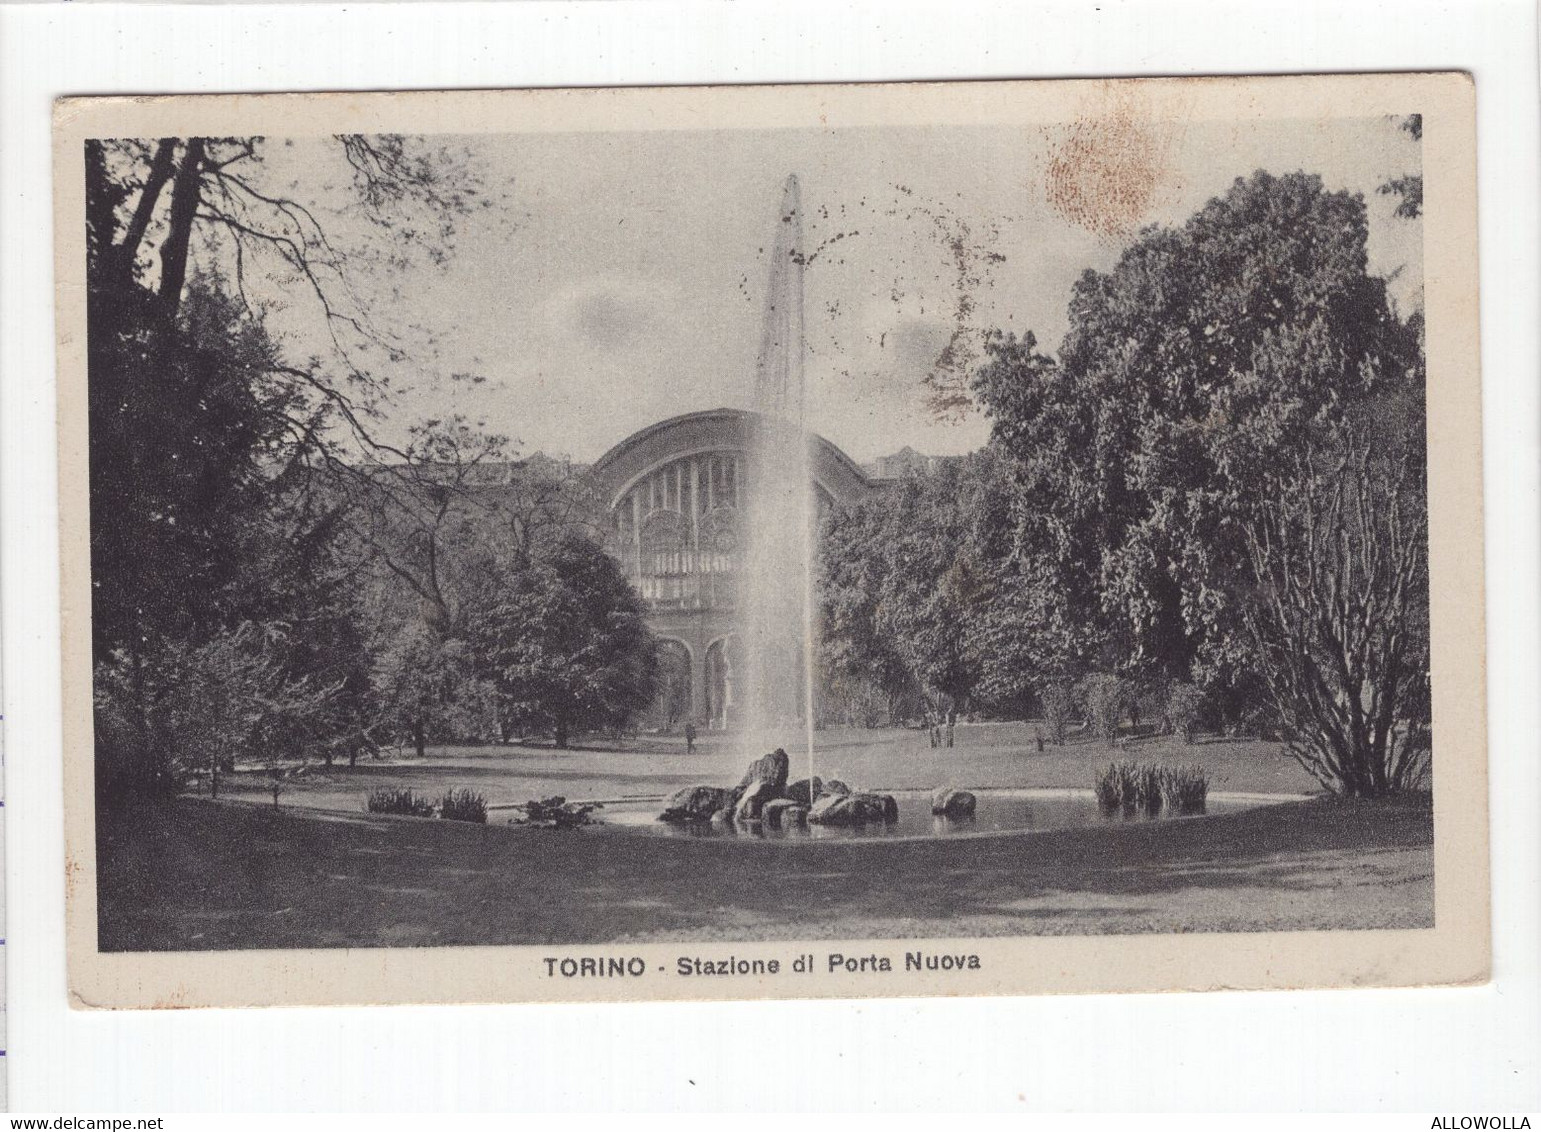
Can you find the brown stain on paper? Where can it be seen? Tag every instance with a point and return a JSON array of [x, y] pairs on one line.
[[176, 1000], [1106, 169]]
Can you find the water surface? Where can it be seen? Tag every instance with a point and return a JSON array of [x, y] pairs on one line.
[[997, 811]]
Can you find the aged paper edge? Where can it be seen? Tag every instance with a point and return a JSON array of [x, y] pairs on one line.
[[1455, 951]]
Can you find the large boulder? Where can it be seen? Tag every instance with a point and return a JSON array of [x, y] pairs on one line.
[[821, 812], [950, 803], [771, 769], [835, 786], [798, 791], [854, 809], [753, 800], [783, 813], [887, 807], [694, 804]]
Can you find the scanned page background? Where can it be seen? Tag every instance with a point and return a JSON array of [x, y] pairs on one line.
[[1343, 1050]]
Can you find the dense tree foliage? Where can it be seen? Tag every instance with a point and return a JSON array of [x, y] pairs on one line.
[[925, 595], [1206, 355], [271, 580], [1180, 501], [216, 542], [567, 641]]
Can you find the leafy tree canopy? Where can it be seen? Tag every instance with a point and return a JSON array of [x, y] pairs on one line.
[[1189, 368], [567, 640]]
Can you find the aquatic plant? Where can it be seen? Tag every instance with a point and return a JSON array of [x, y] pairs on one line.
[[463, 805], [1149, 787], [1118, 787], [386, 800], [1184, 789]]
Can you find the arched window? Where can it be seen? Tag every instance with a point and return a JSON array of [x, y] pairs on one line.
[[663, 545], [719, 541]]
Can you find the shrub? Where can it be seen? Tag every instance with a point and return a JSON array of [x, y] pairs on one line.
[[463, 805], [384, 800], [1056, 712], [1184, 710], [1184, 789], [1106, 697]]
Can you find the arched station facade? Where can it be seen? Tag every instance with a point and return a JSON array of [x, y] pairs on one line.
[[676, 497]]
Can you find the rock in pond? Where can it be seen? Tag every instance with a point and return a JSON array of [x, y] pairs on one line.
[[950, 803], [772, 769], [798, 791], [854, 809], [819, 814], [753, 800], [781, 813], [695, 803]]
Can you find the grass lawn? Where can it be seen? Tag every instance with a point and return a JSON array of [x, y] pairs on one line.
[[194, 874]]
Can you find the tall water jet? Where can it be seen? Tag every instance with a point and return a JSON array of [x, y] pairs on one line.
[[776, 601]]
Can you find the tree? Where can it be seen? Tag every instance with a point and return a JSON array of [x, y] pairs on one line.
[[427, 684], [1338, 554], [856, 648], [209, 445], [1208, 354], [208, 704], [200, 523], [926, 590], [426, 521], [568, 642], [175, 191], [1409, 186], [542, 496], [193, 406], [894, 588], [444, 529], [179, 422]]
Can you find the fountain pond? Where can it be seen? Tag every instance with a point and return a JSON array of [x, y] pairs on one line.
[[996, 811]]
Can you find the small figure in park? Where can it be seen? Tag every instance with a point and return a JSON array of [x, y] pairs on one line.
[[952, 722], [690, 738]]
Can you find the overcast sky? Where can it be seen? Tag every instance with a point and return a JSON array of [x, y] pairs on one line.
[[621, 278]]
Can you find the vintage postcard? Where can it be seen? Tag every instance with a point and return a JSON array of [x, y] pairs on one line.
[[748, 542]]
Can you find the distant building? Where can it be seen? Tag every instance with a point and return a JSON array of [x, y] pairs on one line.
[[675, 497], [669, 503], [901, 463]]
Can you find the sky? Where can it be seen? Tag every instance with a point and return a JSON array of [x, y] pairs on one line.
[[618, 279]]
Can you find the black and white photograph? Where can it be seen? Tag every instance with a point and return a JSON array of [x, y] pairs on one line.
[[773, 542]]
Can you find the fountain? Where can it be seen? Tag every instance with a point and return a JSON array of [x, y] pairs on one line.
[[776, 599]]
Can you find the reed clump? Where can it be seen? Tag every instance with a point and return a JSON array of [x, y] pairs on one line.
[[463, 805], [1149, 788], [388, 800]]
